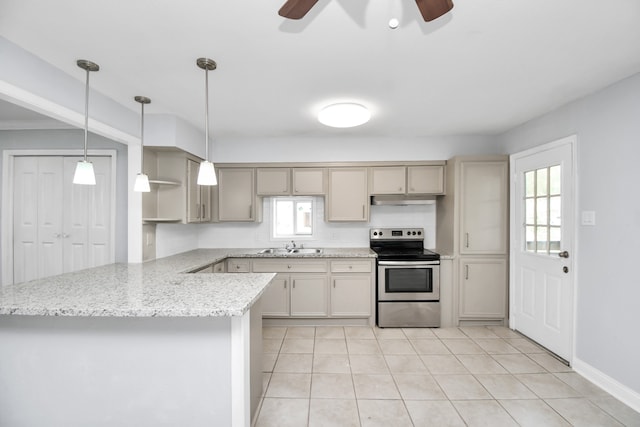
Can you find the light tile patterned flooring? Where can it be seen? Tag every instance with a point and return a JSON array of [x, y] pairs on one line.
[[473, 376]]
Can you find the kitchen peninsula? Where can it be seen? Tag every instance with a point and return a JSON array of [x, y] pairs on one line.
[[133, 344]]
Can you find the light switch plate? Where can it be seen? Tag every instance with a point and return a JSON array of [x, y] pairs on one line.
[[588, 218]]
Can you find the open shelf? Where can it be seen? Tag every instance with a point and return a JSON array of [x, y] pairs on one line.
[[164, 182], [161, 219]]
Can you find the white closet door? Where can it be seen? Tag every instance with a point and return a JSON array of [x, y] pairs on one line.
[[100, 222], [50, 210], [58, 226], [87, 218], [25, 219]]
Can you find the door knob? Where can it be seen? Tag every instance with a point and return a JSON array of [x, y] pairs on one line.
[[564, 254], [565, 269]]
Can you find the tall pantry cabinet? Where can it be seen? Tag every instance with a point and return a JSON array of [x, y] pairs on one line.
[[472, 226]]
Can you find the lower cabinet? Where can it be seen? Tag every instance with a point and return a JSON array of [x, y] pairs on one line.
[[482, 290], [309, 296], [351, 295], [276, 299], [314, 288]]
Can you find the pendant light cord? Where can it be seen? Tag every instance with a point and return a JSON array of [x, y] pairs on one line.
[[86, 115], [142, 139], [206, 114]]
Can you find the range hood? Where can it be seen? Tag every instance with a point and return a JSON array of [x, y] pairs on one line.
[[401, 199]]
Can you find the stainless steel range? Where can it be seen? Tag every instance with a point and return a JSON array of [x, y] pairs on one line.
[[408, 280]]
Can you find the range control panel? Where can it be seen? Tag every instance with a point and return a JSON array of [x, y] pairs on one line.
[[396, 234]]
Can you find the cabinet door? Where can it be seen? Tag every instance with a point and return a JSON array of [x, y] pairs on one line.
[[275, 299], [309, 181], [238, 265], [205, 202], [425, 179], [219, 267], [388, 180], [194, 207], [309, 296], [348, 198], [483, 288], [236, 195], [273, 182], [351, 295], [483, 207]]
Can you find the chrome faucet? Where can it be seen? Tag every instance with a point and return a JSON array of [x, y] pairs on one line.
[[291, 245]]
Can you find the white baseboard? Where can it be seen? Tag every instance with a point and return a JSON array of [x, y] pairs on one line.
[[618, 390]]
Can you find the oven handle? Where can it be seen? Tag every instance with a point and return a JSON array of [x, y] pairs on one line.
[[409, 263]]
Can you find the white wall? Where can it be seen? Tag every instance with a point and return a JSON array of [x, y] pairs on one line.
[[607, 124]]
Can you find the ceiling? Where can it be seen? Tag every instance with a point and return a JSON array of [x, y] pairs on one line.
[[485, 67]]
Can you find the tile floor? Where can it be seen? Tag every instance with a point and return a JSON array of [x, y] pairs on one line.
[[467, 376]]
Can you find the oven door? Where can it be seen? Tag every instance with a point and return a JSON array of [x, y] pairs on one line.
[[408, 280]]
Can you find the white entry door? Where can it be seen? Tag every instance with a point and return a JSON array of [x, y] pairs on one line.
[[59, 227], [542, 274]]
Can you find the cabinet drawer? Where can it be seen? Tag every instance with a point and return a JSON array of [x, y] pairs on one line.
[[218, 267], [289, 265], [351, 266], [238, 266]]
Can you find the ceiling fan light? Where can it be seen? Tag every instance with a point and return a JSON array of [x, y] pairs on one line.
[[84, 174], [207, 174], [142, 183], [344, 115]]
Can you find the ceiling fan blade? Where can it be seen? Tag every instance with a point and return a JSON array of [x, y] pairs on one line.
[[432, 9], [296, 9]]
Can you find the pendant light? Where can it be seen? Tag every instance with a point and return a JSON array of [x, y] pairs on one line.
[[84, 169], [206, 173], [142, 180]]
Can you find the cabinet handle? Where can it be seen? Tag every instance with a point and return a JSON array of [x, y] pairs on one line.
[[250, 211], [285, 284], [466, 272], [294, 284], [288, 266], [334, 283], [466, 236], [362, 211], [204, 211]]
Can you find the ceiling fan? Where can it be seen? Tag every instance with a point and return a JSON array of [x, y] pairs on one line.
[[430, 9]]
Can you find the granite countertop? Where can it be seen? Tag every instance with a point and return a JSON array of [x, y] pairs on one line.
[[158, 288]]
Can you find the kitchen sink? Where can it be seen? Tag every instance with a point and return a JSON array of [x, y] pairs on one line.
[[274, 251], [306, 251], [296, 251]]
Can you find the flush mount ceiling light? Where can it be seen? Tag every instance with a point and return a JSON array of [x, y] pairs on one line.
[[84, 174], [142, 180], [344, 115], [206, 173]]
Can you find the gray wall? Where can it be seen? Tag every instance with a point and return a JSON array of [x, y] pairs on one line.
[[607, 125], [74, 139]]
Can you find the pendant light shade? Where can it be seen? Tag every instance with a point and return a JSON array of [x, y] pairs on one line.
[[84, 174], [206, 173], [142, 180]]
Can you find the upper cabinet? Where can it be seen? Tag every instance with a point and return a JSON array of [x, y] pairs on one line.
[[309, 181], [273, 181], [427, 179], [198, 196], [290, 181], [473, 218], [348, 196], [237, 196], [174, 195]]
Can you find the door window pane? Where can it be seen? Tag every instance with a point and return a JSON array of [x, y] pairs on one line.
[[554, 180], [543, 210], [541, 182]]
